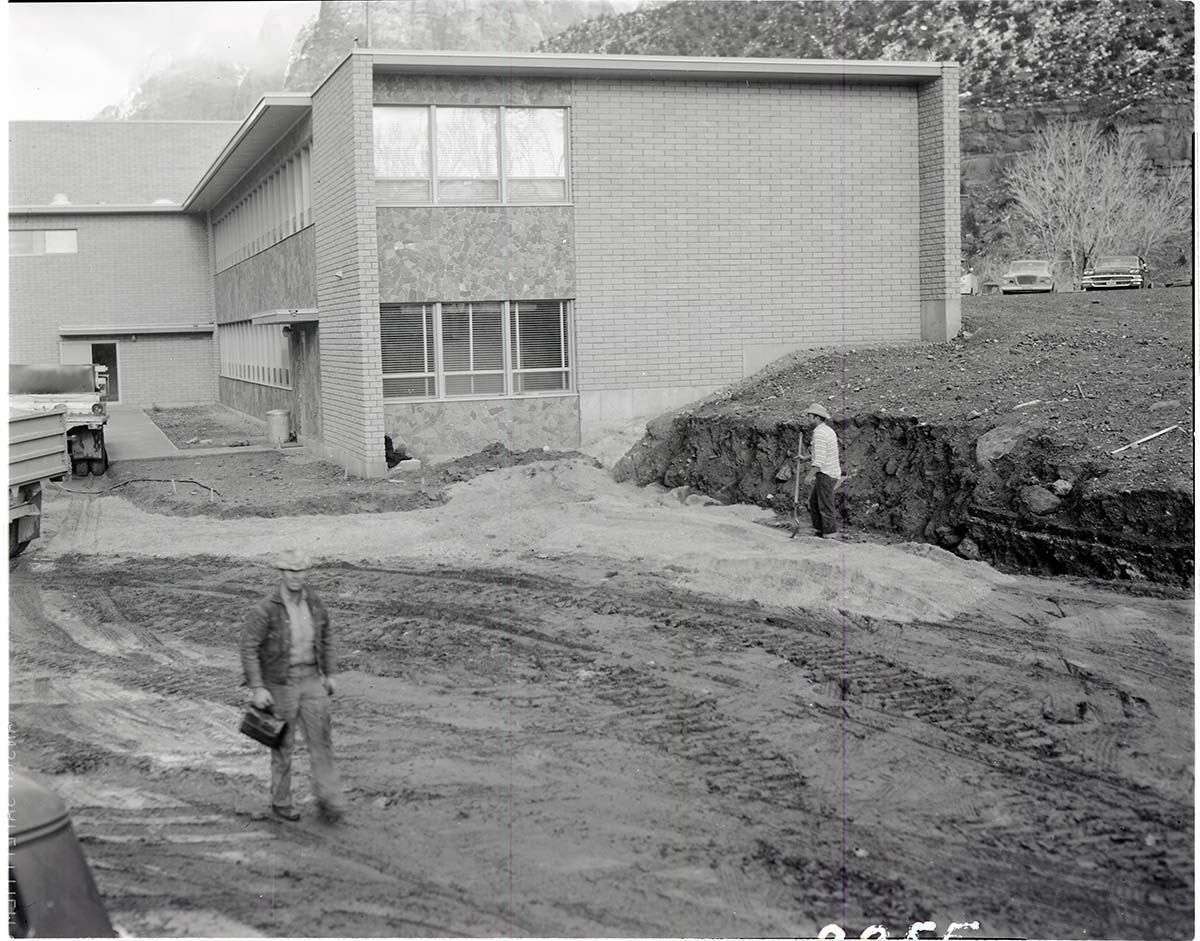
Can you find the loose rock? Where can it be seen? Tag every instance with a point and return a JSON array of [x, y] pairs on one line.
[[1039, 500], [969, 549]]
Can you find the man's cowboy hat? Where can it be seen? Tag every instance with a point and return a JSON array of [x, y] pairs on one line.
[[293, 560], [817, 410]]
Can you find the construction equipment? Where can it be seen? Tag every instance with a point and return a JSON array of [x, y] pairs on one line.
[[82, 392], [37, 453]]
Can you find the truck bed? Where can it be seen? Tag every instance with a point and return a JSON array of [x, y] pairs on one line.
[[37, 445]]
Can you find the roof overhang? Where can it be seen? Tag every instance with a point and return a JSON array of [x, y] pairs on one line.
[[655, 67], [111, 329], [271, 118], [97, 210], [289, 315]]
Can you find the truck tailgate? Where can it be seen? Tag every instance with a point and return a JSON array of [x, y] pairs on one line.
[[37, 446]]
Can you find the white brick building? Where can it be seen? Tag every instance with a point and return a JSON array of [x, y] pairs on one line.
[[466, 247]]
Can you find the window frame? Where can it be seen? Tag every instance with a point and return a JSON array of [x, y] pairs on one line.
[[503, 198], [567, 315], [44, 250], [434, 327]]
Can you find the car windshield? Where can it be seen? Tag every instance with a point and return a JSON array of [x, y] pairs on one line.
[[1028, 265], [1118, 261]]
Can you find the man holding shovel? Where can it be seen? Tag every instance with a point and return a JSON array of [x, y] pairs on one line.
[[828, 471]]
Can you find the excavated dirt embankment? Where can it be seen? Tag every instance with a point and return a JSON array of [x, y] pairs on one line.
[[1005, 491]]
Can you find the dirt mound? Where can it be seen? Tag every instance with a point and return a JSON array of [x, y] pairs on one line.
[[982, 445]]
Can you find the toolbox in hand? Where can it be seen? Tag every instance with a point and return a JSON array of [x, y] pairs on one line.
[[263, 727]]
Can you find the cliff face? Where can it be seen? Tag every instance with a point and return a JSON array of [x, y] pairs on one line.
[[476, 25], [226, 84], [1013, 53]]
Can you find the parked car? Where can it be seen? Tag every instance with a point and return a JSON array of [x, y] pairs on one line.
[[51, 892], [1116, 271], [1027, 275]]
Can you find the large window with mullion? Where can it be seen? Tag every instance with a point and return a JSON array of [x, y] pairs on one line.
[[409, 362], [453, 155], [475, 349], [540, 346], [402, 154], [468, 155], [535, 149]]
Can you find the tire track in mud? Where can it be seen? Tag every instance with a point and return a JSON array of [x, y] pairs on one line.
[[1057, 803]]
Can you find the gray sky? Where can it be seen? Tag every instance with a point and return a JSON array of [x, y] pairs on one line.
[[66, 61]]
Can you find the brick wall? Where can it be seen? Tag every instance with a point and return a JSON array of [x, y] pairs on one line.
[[159, 369], [348, 268], [713, 216], [113, 162], [937, 119], [167, 369], [128, 269]]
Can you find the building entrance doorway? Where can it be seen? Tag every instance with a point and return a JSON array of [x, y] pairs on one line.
[[105, 354]]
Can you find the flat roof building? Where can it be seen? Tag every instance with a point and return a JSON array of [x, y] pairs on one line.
[[460, 248]]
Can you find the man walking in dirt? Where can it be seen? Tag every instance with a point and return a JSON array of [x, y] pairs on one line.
[[824, 457], [288, 661]]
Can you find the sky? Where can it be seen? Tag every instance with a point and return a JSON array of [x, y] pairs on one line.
[[67, 61]]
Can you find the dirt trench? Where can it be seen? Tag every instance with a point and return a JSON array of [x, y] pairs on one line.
[[1006, 492]]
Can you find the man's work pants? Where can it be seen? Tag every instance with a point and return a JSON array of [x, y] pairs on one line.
[[821, 504], [304, 702]]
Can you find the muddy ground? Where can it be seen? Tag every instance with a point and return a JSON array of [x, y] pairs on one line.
[[287, 482], [572, 707]]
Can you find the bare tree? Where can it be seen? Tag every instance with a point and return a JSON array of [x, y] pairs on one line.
[[1079, 193], [1167, 214]]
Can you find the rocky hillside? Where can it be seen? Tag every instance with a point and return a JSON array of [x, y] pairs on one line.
[[1011, 51], [478, 25], [206, 84], [1125, 63]]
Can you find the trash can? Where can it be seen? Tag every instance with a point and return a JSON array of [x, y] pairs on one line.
[[277, 426]]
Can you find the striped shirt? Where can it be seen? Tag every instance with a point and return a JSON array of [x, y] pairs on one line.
[[825, 451]]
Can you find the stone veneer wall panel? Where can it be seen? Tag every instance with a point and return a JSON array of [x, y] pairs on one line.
[[277, 278], [462, 427], [471, 90], [305, 350], [475, 253], [348, 268]]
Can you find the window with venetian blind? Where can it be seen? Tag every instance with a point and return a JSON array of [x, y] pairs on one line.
[[478, 348]]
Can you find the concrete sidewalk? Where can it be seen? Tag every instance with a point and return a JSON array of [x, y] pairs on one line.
[[130, 435]]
